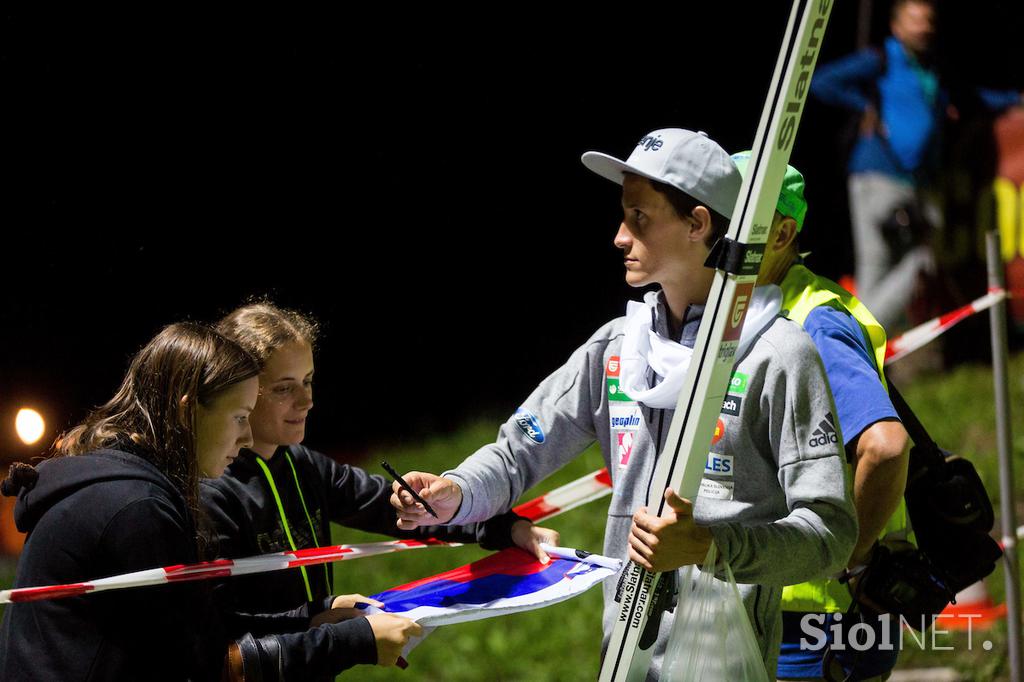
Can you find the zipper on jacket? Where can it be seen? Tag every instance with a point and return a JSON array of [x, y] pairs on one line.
[[758, 627], [657, 448]]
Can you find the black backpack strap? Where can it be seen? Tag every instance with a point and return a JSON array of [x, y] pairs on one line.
[[911, 423], [926, 452]]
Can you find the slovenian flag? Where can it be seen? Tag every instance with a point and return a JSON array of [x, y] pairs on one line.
[[508, 581]]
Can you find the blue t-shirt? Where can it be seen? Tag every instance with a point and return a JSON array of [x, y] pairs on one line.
[[860, 400], [850, 651]]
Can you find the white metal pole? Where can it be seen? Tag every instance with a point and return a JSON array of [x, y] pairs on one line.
[[1011, 564]]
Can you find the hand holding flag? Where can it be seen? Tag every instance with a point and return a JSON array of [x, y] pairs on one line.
[[350, 601], [531, 538], [392, 634], [344, 607]]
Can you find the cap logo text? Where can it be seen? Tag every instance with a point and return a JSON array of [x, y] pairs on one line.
[[650, 143]]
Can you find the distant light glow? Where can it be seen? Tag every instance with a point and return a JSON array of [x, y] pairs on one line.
[[30, 425]]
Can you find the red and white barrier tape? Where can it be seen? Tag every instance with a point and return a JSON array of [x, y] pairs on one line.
[[1020, 536], [922, 334], [569, 496], [591, 487], [218, 568]]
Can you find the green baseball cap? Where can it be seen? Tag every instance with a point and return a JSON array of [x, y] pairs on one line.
[[791, 203]]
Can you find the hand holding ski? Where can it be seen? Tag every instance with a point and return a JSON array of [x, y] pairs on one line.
[[667, 542]]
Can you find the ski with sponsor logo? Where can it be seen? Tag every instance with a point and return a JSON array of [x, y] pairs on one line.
[[643, 596]]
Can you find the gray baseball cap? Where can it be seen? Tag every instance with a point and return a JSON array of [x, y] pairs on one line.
[[691, 162]]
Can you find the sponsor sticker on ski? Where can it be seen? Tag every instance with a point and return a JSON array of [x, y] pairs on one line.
[[740, 302], [752, 259]]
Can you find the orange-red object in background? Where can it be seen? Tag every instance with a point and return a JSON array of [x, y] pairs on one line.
[[11, 540], [1009, 195]]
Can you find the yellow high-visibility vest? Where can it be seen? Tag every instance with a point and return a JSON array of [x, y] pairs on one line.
[[802, 292]]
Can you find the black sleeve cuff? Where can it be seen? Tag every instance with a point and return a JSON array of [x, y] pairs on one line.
[[496, 532]]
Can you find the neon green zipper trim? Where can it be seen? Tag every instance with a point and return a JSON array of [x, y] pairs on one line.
[[312, 528], [284, 520]]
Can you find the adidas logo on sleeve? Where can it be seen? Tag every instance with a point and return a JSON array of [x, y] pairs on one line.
[[825, 434]]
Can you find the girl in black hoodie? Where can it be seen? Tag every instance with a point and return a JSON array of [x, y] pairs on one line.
[[122, 495]]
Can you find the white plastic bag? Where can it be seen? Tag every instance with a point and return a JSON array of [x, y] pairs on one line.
[[711, 638]]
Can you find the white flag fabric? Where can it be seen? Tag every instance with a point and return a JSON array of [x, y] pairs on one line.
[[508, 581]]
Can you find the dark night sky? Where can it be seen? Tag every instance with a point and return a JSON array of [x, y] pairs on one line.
[[411, 179]]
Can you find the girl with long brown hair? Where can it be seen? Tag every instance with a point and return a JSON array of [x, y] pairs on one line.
[[120, 495]]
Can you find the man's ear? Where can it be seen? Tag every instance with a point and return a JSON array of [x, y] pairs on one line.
[[701, 226], [784, 235]]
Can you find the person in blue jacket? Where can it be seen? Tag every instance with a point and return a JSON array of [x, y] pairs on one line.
[[897, 93]]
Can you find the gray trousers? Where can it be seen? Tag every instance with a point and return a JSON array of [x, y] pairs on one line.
[[885, 280]]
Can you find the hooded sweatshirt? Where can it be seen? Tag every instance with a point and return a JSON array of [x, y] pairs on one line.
[[109, 512]]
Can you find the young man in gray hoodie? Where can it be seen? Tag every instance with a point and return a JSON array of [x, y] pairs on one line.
[[774, 497]]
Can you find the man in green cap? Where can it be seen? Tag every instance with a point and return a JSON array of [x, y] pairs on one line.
[[852, 347]]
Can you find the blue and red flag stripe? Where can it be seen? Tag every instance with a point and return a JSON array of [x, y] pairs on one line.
[[508, 581]]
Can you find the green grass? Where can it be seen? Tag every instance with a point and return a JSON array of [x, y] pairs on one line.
[[562, 642], [958, 410]]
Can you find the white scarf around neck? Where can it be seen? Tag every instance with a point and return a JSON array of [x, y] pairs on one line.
[[644, 348]]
